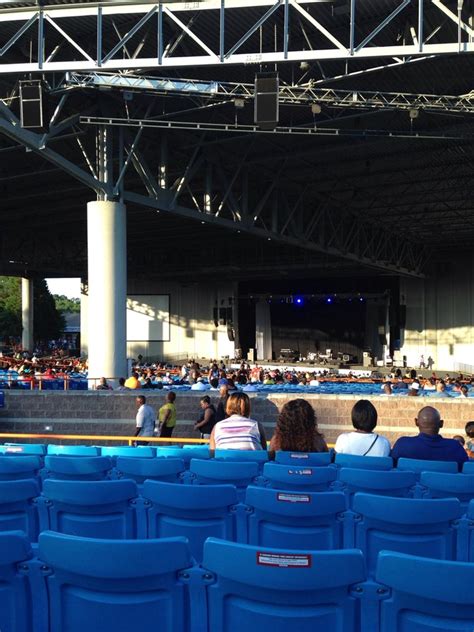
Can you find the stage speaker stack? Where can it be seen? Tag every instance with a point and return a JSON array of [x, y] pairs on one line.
[[366, 359], [266, 100], [31, 104]]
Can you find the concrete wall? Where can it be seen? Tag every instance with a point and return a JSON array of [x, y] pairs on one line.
[[440, 319], [114, 413], [193, 333]]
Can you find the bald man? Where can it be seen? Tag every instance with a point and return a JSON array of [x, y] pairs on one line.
[[429, 445]]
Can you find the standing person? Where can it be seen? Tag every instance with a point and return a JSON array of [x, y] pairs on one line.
[[363, 441], [297, 429], [221, 406], [207, 418], [238, 431], [429, 444], [167, 415], [429, 363], [145, 419]]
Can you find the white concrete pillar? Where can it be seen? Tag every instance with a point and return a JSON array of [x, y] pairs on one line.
[[107, 280], [263, 330], [27, 314], [84, 319]]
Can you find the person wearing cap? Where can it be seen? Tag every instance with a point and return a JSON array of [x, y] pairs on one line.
[[414, 389]]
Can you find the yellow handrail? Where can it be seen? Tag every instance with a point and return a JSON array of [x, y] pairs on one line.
[[130, 440]]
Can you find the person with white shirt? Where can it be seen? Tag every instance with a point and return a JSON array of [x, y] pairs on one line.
[[363, 441]]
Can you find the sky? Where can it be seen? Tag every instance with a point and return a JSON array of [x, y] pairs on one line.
[[67, 287]]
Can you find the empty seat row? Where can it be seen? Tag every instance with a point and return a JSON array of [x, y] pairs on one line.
[[114, 509], [74, 583]]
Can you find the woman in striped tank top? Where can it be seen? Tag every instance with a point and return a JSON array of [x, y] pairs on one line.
[[238, 431]]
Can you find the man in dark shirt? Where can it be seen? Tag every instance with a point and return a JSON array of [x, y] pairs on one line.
[[207, 419], [429, 445], [221, 406]]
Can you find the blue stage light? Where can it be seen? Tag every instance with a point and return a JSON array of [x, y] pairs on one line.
[[329, 299], [299, 300]]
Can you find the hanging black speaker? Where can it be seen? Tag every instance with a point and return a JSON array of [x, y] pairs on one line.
[[31, 104], [215, 316], [266, 100]]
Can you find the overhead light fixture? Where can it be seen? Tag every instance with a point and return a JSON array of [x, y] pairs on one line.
[[239, 103], [304, 66], [316, 108], [414, 113]]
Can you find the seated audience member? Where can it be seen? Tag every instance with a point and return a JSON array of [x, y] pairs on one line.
[[364, 441], [207, 418], [429, 444], [459, 439], [132, 382], [121, 386], [414, 389], [464, 391], [469, 430], [441, 390], [387, 389], [297, 429], [102, 385], [238, 431]]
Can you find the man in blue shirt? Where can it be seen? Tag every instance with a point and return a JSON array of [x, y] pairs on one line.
[[429, 445]]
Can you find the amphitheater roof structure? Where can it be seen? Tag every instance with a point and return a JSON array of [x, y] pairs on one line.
[[368, 170]]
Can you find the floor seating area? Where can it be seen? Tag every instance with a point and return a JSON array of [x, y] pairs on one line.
[[254, 539]]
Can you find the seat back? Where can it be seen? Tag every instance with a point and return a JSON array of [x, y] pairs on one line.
[[419, 465], [442, 485], [289, 477], [139, 470], [15, 612], [114, 585], [15, 468], [257, 588], [73, 450], [254, 456], [143, 452], [91, 509], [18, 510], [194, 511], [181, 453], [299, 520], [425, 594], [382, 483], [364, 462], [240, 474], [468, 467], [198, 451], [422, 527], [303, 459], [81, 468], [469, 528], [24, 448]]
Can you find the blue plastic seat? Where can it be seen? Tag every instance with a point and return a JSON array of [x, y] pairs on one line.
[[303, 459], [115, 586], [281, 590], [167, 470], [16, 613], [241, 474], [24, 448], [181, 453], [196, 512], [198, 451], [418, 466], [89, 508], [364, 462], [81, 468], [425, 595], [299, 520], [442, 485], [143, 452], [383, 483], [415, 526], [73, 450], [18, 510], [254, 456], [468, 467], [289, 477], [469, 532], [15, 468]]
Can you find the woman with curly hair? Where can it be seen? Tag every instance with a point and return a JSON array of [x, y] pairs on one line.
[[297, 429]]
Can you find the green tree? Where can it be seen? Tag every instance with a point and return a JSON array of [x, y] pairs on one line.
[[65, 304], [10, 307], [48, 322]]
